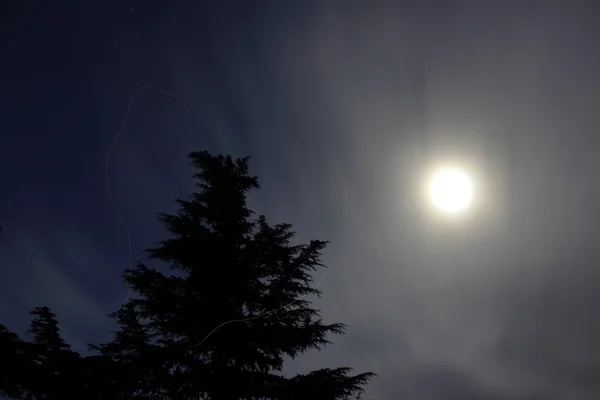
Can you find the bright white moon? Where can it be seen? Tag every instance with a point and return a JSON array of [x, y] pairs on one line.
[[451, 190]]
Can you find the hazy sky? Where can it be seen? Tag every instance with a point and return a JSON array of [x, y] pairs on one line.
[[342, 105]]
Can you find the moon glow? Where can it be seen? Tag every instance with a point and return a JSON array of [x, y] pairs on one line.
[[450, 190]]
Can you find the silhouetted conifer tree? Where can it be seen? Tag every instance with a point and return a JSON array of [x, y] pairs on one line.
[[217, 328], [16, 366], [233, 271], [45, 368], [56, 365]]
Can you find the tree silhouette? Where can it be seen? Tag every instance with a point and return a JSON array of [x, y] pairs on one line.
[[227, 266], [218, 326], [15, 365], [45, 368]]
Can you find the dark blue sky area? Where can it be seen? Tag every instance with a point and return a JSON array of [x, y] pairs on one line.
[[69, 72]]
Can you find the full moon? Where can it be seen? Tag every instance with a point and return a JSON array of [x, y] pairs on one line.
[[450, 190]]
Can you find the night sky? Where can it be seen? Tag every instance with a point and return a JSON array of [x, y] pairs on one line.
[[342, 105]]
